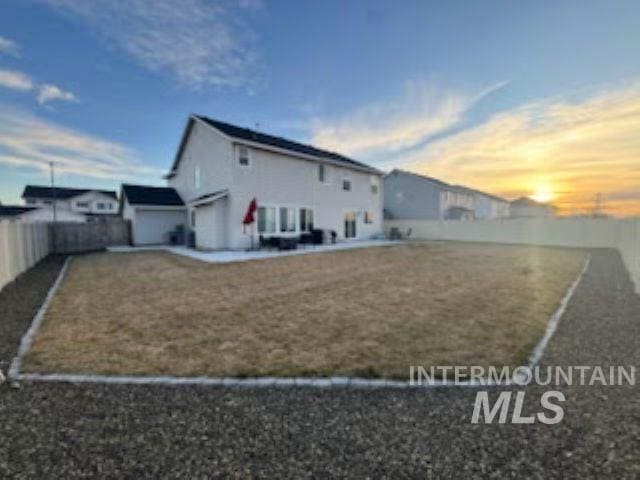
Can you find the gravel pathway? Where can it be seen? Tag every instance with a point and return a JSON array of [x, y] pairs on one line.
[[58, 430]]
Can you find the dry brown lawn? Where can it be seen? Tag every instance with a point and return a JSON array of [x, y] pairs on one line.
[[367, 312]]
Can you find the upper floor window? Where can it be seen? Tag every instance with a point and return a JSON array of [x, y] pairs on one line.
[[196, 176], [287, 219], [374, 184], [82, 204], [111, 206], [244, 156], [346, 185], [321, 173], [100, 206], [193, 218]]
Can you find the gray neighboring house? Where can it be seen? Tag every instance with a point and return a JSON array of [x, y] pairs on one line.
[[525, 207], [418, 197], [488, 206], [411, 196]]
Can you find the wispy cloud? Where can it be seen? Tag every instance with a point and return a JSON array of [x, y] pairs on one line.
[[45, 93], [198, 42], [15, 80], [48, 93], [575, 149], [424, 109], [27, 141], [9, 47]]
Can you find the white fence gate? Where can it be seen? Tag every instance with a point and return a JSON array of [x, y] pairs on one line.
[[22, 245]]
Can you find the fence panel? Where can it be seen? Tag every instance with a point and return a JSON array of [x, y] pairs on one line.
[[22, 245], [69, 237]]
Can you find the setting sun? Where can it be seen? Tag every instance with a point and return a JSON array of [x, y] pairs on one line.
[[543, 194]]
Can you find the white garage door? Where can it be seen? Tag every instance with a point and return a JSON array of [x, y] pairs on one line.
[[153, 226]]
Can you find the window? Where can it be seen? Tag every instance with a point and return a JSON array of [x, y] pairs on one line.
[[243, 156], [266, 219], [196, 176], [368, 217], [321, 173], [100, 206], [287, 219], [30, 201], [111, 206], [193, 218], [82, 204], [375, 182], [306, 219], [47, 202], [346, 185]]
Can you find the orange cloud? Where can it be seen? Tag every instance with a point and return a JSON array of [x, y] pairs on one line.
[[569, 152]]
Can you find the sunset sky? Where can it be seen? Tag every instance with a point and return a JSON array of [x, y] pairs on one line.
[[540, 99]]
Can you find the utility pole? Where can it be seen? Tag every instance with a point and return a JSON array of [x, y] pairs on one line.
[[53, 191]]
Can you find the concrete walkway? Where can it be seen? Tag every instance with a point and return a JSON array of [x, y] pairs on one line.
[[228, 256], [66, 431]]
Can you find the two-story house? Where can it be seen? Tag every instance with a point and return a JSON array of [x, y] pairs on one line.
[[411, 196], [220, 168], [71, 204]]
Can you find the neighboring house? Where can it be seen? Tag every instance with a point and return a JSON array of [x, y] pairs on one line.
[[90, 204], [154, 213], [487, 206], [527, 208], [219, 168], [412, 196], [37, 214]]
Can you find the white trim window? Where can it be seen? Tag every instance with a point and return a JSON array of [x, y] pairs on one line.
[[346, 184], [322, 173], [375, 184], [287, 219], [244, 156], [101, 206], [368, 217], [306, 219], [193, 218], [196, 176], [266, 219]]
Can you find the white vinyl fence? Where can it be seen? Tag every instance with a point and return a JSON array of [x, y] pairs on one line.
[[22, 245], [623, 235]]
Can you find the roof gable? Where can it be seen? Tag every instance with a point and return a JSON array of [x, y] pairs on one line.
[[61, 193], [244, 134], [145, 195], [14, 210]]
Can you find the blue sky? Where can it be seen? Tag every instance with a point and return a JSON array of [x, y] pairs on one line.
[[472, 92]]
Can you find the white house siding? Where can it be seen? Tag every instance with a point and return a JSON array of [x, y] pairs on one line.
[[211, 225], [274, 179], [279, 180], [93, 201], [212, 154], [151, 226]]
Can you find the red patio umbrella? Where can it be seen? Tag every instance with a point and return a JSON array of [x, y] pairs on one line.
[[249, 216]]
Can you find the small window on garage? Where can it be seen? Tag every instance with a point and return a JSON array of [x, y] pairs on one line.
[[244, 157]]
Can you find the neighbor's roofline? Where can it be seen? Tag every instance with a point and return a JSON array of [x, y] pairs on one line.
[[292, 153]]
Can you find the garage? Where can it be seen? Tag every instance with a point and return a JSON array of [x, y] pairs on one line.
[[154, 212]]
